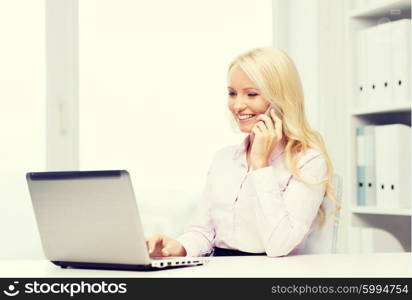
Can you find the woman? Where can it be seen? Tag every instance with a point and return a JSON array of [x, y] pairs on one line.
[[263, 196]]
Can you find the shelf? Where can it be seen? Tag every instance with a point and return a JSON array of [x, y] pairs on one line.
[[382, 109], [391, 8], [370, 210], [372, 228]]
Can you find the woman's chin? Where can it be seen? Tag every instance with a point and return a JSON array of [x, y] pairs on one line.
[[246, 127], [245, 130]]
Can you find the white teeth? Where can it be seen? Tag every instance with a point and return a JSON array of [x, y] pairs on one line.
[[244, 117]]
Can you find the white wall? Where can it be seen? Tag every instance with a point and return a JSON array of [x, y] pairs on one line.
[[296, 31], [23, 122], [152, 93]]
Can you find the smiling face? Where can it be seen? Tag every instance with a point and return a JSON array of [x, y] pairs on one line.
[[245, 100]]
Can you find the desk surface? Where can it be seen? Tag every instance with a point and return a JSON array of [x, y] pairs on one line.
[[331, 265]]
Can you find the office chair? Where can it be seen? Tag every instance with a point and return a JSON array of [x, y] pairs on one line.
[[323, 239]]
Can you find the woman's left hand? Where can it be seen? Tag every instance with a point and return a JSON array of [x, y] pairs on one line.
[[267, 134]]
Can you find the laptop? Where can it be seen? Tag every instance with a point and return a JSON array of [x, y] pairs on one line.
[[90, 219]]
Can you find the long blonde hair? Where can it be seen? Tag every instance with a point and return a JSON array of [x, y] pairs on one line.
[[275, 74]]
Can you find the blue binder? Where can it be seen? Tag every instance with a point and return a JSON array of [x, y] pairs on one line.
[[360, 167]]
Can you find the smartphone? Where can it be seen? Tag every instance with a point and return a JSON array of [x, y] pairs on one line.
[[267, 112]]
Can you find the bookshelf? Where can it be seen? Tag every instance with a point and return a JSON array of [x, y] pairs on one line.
[[397, 108], [394, 222], [377, 9]]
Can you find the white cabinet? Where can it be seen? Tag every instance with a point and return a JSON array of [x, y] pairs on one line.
[[381, 229]]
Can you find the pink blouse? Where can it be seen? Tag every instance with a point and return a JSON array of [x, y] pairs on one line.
[[264, 210]]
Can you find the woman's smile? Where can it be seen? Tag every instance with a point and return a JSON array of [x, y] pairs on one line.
[[245, 118]]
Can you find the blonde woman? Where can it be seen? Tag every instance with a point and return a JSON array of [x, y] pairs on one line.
[[264, 196]]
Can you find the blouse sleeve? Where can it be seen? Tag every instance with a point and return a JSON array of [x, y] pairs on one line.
[[199, 235], [285, 218]]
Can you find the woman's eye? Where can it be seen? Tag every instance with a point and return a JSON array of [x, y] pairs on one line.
[[252, 95], [232, 94]]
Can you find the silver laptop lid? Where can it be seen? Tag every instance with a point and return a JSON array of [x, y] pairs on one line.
[[88, 216]]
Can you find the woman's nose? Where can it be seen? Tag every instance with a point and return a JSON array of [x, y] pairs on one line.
[[239, 104]]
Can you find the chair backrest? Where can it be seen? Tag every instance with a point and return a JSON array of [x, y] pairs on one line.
[[323, 239]]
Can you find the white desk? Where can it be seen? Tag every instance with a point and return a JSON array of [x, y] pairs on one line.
[[331, 265]]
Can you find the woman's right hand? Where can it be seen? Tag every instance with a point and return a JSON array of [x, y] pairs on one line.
[[162, 245]]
